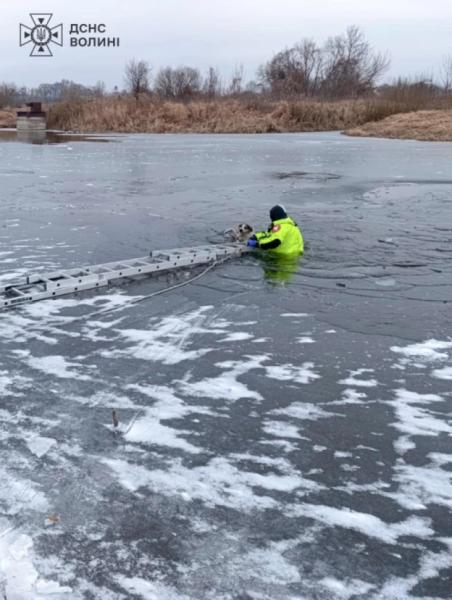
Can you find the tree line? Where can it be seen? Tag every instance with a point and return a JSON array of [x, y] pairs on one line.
[[345, 66]]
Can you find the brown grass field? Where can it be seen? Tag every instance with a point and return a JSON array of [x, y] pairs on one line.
[[225, 115], [377, 117], [424, 125]]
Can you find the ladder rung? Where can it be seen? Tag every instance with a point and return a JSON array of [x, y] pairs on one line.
[[15, 290]]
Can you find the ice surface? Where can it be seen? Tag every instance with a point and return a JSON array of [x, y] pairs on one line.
[[148, 429], [302, 411], [366, 523], [57, 366], [166, 340], [277, 439], [444, 373], [352, 379], [21, 580], [226, 386], [298, 374], [219, 483], [430, 350], [39, 445], [149, 590]]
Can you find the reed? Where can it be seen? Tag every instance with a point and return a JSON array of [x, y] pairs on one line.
[[224, 115]]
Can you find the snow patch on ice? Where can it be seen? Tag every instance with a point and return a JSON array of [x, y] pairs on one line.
[[21, 580], [350, 396], [148, 429], [148, 590], [352, 379], [237, 336], [346, 589], [413, 419], [218, 483], [17, 495], [17, 328], [281, 429], [166, 341], [430, 566], [13, 385], [226, 386], [365, 523], [305, 340], [303, 411], [444, 373], [39, 445], [57, 366], [303, 374], [430, 350], [420, 486]]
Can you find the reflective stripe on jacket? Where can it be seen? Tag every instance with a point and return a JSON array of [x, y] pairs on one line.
[[283, 238]]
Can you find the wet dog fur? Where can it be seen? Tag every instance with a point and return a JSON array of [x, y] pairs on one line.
[[240, 233]]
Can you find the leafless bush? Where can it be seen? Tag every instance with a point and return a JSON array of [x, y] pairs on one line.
[[181, 83], [137, 77], [99, 90], [212, 83], [345, 67], [236, 84], [446, 73], [414, 93], [8, 94]]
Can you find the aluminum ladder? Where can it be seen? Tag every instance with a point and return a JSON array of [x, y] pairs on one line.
[[59, 283]]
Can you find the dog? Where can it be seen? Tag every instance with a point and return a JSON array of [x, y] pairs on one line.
[[240, 233]]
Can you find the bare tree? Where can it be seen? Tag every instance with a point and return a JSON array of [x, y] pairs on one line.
[[8, 94], [182, 83], [137, 75], [187, 82], [294, 71], [351, 67], [163, 84], [236, 84], [212, 83], [99, 89], [446, 73]]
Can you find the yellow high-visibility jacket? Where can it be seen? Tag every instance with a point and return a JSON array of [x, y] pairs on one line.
[[283, 238]]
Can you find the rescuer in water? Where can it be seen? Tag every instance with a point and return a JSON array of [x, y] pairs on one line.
[[282, 239]]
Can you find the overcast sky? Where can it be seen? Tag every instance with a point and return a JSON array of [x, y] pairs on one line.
[[222, 33]]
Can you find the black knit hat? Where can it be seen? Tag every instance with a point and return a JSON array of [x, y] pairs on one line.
[[278, 212]]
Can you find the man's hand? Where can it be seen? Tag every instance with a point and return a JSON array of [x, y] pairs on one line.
[[252, 243]]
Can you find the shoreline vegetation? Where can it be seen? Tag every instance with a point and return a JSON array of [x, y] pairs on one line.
[[251, 114], [422, 125], [307, 87], [362, 118]]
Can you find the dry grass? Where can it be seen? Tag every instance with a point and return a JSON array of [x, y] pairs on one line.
[[7, 117], [424, 125], [378, 117], [228, 115]]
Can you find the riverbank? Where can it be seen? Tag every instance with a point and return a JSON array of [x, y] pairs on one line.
[[7, 118], [364, 118], [422, 125], [251, 114]]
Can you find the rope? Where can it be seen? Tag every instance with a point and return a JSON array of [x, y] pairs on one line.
[[153, 294]]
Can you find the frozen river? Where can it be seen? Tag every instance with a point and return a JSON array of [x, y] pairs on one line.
[[282, 436]]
